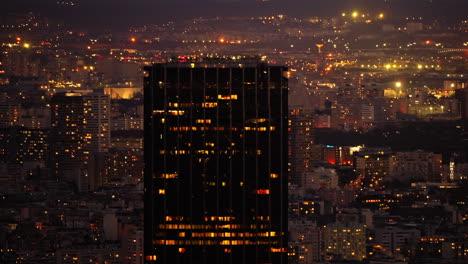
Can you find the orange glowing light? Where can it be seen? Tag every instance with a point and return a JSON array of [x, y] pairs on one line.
[[18, 39], [428, 42], [133, 39], [222, 40], [263, 191], [319, 46]]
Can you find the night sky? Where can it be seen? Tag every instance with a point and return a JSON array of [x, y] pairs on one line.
[[117, 13]]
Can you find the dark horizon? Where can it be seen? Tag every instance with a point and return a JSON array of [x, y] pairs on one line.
[[134, 13]]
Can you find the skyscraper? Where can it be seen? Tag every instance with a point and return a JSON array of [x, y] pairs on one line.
[[67, 135], [97, 118], [96, 114], [216, 162], [462, 96], [300, 144], [80, 134]]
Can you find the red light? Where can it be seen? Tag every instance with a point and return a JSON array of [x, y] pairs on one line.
[[100, 56]]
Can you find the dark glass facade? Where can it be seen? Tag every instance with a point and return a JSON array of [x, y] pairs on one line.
[[216, 162]]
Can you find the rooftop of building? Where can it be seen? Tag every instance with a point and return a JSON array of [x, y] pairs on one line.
[[216, 62]]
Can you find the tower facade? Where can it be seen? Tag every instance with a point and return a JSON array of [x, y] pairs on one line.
[[300, 144], [462, 96], [80, 137], [216, 162], [97, 118], [68, 140]]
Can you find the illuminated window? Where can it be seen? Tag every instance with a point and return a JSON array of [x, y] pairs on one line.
[[227, 97], [203, 121], [278, 250], [257, 120], [209, 105], [263, 191], [169, 175], [271, 128], [176, 112]]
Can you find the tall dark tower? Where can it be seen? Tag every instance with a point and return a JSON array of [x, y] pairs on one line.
[[462, 96], [216, 162]]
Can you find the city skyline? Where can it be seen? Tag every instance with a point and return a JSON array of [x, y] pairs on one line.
[[301, 132]]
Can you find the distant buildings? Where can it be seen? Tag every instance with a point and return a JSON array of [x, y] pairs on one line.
[[396, 240], [9, 111], [374, 167], [306, 242], [417, 165], [72, 161], [345, 241]]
